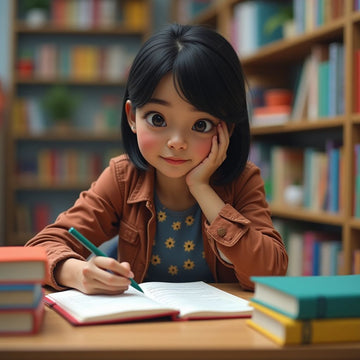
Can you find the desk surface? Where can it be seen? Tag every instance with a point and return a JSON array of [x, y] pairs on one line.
[[207, 339]]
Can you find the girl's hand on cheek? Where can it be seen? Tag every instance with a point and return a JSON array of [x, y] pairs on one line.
[[103, 275], [201, 174]]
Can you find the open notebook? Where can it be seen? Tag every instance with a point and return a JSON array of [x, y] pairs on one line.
[[179, 301]]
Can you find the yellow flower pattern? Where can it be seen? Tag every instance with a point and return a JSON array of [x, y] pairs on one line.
[[155, 260], [189, 265], [170, 243], [189, 245], [161, 215], [189, 220], [178, 252], [176, 225], [173, 270]]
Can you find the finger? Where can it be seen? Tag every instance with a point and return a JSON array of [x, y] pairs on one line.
[[122, 269], [115, 274], [223, 134]]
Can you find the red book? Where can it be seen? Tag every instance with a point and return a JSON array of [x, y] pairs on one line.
[[41, 216], [20, 264]]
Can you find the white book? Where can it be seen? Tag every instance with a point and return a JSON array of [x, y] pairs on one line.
[[185, 301]]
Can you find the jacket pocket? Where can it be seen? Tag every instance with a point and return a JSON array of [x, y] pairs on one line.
[[128, 234]]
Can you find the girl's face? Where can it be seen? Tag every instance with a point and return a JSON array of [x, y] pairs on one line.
[[173, 136]]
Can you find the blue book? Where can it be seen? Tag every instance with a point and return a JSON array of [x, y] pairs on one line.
[[334, 168], [323, 90], [316, 258], [20, 296], [309, 297], [336, 79]]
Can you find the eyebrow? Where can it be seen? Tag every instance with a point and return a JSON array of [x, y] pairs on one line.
[[159, 101], [167, 103]]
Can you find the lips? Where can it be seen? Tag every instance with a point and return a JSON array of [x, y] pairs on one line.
[[174, 161]]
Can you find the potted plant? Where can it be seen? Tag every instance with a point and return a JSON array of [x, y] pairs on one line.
[[36, 12], [60, 104]]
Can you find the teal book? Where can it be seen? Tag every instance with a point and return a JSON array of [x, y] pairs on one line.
[[309, 297]]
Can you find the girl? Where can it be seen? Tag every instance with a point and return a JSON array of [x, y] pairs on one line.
[[185, 202]]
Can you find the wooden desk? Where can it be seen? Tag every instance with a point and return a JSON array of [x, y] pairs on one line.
[[209, 339]]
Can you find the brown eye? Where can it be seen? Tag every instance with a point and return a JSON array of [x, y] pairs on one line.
[[203, 126], [155, 119]]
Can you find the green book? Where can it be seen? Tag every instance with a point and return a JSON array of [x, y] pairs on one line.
[[309, 297]]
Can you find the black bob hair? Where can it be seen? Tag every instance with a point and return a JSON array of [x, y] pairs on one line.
[[207, 73]]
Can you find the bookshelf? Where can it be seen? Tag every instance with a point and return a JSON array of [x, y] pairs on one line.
[[274, 65], [85, 47]]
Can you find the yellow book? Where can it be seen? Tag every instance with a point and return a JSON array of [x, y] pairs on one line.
[[286, 331], [134, 14]]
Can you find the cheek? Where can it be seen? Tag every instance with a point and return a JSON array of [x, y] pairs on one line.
[[202, 148], [146, 141]]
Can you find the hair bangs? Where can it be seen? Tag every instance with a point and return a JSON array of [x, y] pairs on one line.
[[193, 82]]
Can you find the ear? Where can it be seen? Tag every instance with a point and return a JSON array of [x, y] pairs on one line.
[[130, 115]]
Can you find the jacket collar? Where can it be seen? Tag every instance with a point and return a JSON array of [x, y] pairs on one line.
[[144, 187]]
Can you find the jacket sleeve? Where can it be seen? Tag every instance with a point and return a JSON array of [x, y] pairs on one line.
[[243, 232], [93, 214]]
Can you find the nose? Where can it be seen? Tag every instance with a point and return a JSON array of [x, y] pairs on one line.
[[177, 141]]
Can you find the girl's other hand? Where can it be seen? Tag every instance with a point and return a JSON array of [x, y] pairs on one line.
[[201, 174]]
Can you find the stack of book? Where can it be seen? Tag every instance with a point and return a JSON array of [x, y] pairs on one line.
[[22, 273], [307, 309]]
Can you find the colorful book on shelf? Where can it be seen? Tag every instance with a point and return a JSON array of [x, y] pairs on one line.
[[177, 301], [134, 14], [287, 169], [334, 154], [286, 331], [294, 247], [356, 261], [309, 297], [271, 115], [356, 210], [336, 79], [319, 53], [22, 321], [301, 98], [320, 253], [20, 264], [249, 33]]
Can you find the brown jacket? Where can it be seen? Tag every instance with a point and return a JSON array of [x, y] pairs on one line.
[[121, 203]]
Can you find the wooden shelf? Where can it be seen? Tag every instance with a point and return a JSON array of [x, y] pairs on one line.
[[306, 215], [300, 126], [355, 223], [88, 82], [79, 154], [296, 48], [277, 61], [75, 135], [52, 29], [34, 185]]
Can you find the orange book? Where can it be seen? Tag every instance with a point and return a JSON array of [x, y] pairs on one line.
[[19, 264]]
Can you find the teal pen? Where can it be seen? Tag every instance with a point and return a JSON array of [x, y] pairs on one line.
[[90, 246]]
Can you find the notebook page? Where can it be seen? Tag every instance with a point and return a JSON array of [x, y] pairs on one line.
[[195, 297], [102, 307]]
